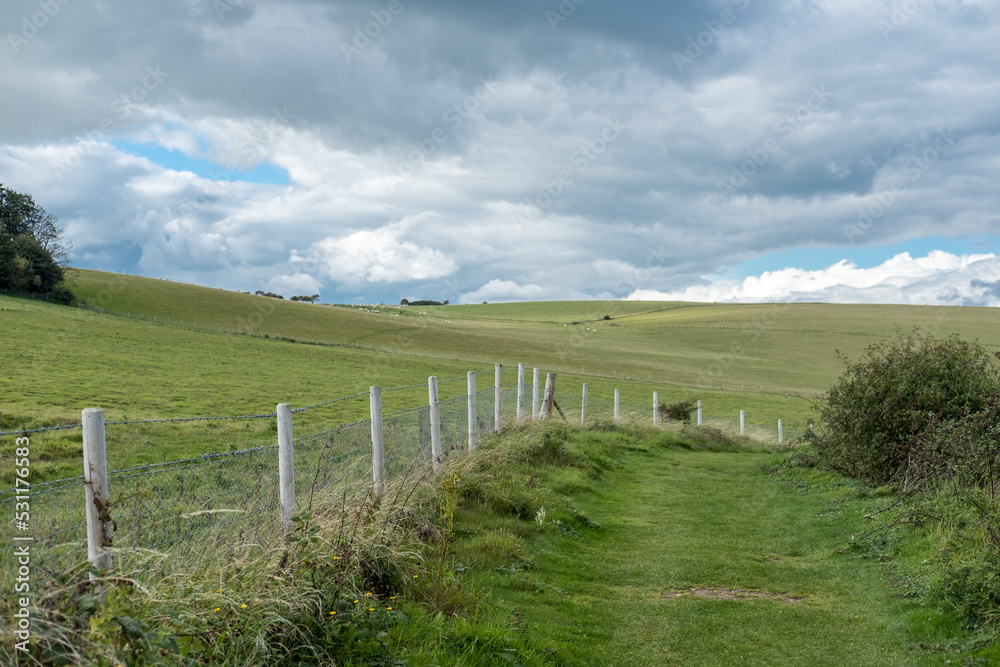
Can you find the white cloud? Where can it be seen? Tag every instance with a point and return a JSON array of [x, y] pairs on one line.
[[297, 284], [940, 278], [641, 212], [504, 290], [377, 256]]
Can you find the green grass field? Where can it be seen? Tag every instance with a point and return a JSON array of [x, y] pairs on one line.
[[159, 349], [701, 516]]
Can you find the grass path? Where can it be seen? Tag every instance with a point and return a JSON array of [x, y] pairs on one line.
[[675, 520]]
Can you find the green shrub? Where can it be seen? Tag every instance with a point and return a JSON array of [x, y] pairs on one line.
[[680, 411], [893, 394]]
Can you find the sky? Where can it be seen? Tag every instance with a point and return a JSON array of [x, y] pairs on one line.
[[375, 150]]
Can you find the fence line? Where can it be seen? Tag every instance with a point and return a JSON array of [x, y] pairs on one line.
[[233, 496]]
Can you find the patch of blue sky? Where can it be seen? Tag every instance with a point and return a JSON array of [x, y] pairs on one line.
[[264, 172]]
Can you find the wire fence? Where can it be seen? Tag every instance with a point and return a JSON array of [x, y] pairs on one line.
[[177, 509]]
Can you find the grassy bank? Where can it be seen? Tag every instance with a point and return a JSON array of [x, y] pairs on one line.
[[550, 546]]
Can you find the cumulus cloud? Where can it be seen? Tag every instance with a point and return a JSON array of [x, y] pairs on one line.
[[297, 284], [940, 278], [505, 290], [379, 255]]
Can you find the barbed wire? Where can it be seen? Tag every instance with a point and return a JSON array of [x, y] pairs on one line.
[[342, 428], [178, 420], [47, 487], [405, 412], [412, 386], [42, 429], [183, 464], [335, 400]]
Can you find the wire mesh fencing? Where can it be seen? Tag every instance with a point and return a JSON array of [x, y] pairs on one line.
[[187, 487]]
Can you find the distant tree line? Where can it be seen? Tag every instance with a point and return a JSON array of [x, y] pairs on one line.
[[308, 299], [423, 302], [31, 249]]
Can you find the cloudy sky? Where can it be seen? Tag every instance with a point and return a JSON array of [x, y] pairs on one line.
[[367, 150]]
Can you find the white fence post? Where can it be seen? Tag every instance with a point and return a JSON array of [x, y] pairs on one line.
[[498, 399], [520, 392], [550, 396], [95, 480], [583, 408], [435, 408], [286, 465], [378, 444], [534, 395], [743, 422], [656, 408], [779, 432], [472, 412], [617, 406], [699, 413]]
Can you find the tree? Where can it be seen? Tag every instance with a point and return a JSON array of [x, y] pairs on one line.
[[404, 302], [19, 214], [29, 248]]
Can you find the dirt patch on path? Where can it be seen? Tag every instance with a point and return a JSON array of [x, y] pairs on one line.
[[732, 594]]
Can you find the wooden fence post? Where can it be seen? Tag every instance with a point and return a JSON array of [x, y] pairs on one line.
[[743, 422], [472, 412], [435, 408], [550, 396], [617, 405], [498, 399], [656, 408], [534, 395], [378, 443], [583, 408], [286, 466], [95, 480], [520, 392], [699, 413]]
